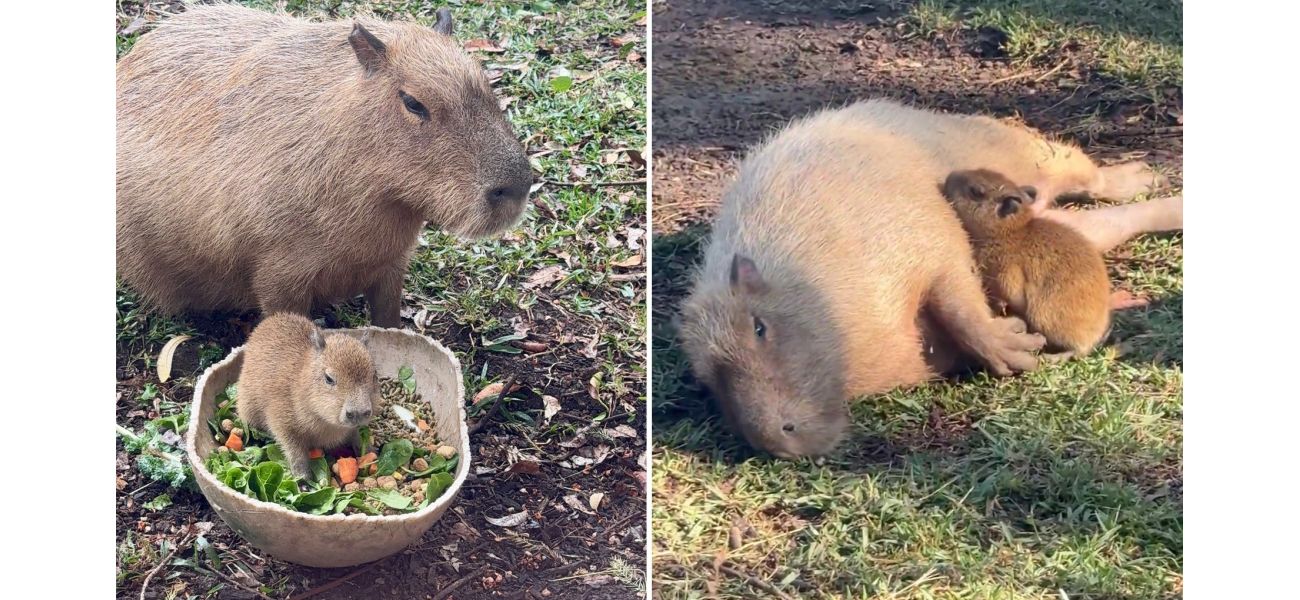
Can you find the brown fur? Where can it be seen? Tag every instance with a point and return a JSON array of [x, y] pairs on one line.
[[262, 164], [860, 272], [1042, 270], [284, 390]]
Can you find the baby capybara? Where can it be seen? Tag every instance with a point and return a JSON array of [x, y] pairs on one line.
[[268, 162], [836, 268], [307, 388], [1043, 271]]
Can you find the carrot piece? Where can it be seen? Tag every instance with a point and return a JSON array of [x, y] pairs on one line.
[[315, 453], [367, 459], [347, 470], [234, 442]]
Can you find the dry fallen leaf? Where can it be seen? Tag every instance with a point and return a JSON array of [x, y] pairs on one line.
[[629, 262], [531, 347], [165, 357], [545, 275], [551, 405], [491, 390], [576, 504], [135, 25], [482, 46], [527, 467], [595, 500], [622, 431], [511, 520]]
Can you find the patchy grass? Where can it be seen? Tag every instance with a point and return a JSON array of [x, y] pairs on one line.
[[484, 300], [1139, 41], [1062, 483]]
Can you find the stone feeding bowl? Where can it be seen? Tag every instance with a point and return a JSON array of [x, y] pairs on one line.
[[337, 540]]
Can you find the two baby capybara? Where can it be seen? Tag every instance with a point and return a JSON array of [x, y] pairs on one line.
[[836, 267], [272, 163]]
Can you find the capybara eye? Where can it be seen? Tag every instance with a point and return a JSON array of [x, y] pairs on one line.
[[329, 380], [414, 105], [759, 328]]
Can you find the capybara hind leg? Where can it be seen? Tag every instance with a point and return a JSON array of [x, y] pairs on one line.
[[384, 297], [1110, 226], [1125, 180], [957, 301]]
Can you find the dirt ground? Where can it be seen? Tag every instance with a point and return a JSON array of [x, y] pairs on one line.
[[727, 73]]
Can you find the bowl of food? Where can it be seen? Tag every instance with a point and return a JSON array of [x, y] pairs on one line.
[[362, 502]]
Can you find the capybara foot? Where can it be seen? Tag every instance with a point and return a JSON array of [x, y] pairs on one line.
[[1126, 180]]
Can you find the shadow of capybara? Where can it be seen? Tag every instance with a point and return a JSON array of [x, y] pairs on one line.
[[1042, 271], [836, 268], [268, 162], [307, 388]]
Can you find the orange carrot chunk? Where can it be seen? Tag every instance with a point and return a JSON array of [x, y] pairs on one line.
[[367, 459], [315, 453], [347, 470], [234, 442]]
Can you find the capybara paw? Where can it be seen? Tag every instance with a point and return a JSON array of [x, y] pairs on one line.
[[1014, 348], [1126, 180]]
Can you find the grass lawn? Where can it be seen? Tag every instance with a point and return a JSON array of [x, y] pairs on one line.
[[559, 302], [1061, 484]]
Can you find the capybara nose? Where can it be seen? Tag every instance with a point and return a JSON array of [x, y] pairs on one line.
[[511, 193], [357, 416]]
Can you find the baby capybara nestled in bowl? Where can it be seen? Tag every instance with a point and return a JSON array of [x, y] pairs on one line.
[[268, 162]]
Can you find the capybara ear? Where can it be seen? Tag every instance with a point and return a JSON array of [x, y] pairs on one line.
[[745, 275], [442, 21], [1010, 205], [317, 340], [1030, 191], [370, 51]]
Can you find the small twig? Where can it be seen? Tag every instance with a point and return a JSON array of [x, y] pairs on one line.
[[1024, 74], [145, 586], [562, 569], [1049, 73], [459, 582], [756, 582], [333, 584], [496, 407], [231, 581], [593, 183]]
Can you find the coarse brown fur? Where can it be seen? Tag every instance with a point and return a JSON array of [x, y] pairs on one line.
[[308, 389], [270, 162], [836, 238], [1043, 271]]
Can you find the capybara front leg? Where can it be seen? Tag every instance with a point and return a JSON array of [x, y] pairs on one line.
[[281, 293], [385, 298], [1004, 346], [1110, 226]]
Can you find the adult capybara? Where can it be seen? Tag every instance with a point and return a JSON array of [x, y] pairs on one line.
[[836, 267], [307, 388], [269, 162], [1042, 271]]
